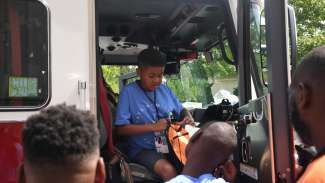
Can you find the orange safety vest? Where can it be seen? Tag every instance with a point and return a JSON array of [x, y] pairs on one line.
[[315, 172], [178, 138]]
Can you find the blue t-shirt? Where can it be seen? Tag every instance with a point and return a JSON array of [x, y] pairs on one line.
[[137, 106], [205, 178]]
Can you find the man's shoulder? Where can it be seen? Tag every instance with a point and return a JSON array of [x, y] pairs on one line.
[[315, 172], [209, 178], [206, 178], [182, 179]]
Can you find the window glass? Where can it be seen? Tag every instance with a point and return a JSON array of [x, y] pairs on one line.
[[258, 45], [24, 54], [201, 83]]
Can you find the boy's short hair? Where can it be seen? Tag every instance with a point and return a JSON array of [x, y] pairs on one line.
[[151, 57], [218, 139], [60, 135]]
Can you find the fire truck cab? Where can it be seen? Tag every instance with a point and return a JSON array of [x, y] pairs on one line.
[[241, 50]]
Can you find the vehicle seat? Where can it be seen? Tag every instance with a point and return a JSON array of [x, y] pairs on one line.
[[116, 173]]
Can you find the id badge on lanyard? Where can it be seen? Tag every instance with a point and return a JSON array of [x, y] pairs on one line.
[[160, 138], [161, 142]]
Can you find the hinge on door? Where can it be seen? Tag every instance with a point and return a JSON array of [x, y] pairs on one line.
[[82, 85]]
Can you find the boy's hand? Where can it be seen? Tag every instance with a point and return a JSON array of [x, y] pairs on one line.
[[160, 125]]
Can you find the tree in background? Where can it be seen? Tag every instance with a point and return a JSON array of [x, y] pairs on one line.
[[310, 17], [112, 74]]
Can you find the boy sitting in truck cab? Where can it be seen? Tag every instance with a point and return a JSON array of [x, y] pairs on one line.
[[142, 114]]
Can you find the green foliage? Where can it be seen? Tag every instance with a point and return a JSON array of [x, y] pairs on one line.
[[111, 75], [219, 69], [310, 17], [175, 84], [307, 43], [192, 83]]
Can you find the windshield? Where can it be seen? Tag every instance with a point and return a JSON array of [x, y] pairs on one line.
[[200, 82]]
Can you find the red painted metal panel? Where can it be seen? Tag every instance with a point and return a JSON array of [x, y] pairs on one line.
[[11, 150]]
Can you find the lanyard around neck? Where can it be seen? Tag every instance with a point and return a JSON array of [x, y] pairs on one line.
[[153, 101]]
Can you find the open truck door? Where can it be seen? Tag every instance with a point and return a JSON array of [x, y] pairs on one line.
[[265, 137]]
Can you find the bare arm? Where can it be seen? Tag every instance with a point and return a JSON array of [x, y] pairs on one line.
[[132, 129]]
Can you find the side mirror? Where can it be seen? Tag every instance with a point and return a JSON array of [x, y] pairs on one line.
[[208, 56], [172, 68]]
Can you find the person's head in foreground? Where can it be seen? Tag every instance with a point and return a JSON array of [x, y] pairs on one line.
[[61, 144], [210, 148], [307, 98], [151, 64]]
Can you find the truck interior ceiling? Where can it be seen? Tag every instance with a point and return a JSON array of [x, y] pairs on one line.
[[177, 27]]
